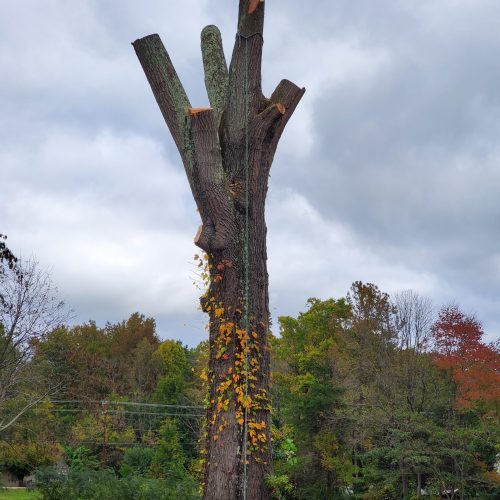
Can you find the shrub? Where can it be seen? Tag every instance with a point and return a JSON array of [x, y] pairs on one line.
[[137, 461], [88, 484]]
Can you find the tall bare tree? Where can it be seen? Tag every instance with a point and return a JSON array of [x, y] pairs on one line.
[[414, 318], [29, 310], [227, 151]]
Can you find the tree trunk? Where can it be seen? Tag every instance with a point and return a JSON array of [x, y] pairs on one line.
[[227, 151], [404, 478]]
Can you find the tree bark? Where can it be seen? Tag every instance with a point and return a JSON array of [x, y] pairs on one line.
[[227, 151]]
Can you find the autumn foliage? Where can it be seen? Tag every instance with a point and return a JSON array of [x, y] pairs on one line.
[[473, 365]]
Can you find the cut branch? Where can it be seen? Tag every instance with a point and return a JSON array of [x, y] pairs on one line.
[[216, 73], [245, 80], [166, 86], [286, 96], [250, 18], [270, 123], [210, 182]]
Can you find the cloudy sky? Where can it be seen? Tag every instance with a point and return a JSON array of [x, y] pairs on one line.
[[389, 172]]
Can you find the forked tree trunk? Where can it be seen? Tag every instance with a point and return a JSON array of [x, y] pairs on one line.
[[227, 151]]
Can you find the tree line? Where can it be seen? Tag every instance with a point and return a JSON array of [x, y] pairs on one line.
[[382, 400], [374, 397]]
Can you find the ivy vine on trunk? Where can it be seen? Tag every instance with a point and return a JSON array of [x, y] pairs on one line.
[[227, 151]]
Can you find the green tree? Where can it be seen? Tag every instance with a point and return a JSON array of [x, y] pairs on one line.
[[175, 372], [95, 363], [168, 456], [309, 365], [137, 461]]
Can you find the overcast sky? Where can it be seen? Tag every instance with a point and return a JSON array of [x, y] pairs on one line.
[[389, 171]]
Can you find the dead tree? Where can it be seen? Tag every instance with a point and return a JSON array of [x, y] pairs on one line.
[[29, 311], [227, 151]]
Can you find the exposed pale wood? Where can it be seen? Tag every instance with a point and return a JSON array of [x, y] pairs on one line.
[[253, 4], [195, 111], [285, 93], [198, 234]]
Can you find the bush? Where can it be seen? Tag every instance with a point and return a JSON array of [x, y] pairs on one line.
[[137, 461], [81, 458], [90, 484], [50, 482], [280, 486]]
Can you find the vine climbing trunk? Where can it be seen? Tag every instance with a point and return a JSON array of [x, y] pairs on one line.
[[227, 151]]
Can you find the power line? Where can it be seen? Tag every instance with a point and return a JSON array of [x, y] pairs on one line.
[[126, 403], [119, 412]]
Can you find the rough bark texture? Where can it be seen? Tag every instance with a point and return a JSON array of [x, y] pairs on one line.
[[227, 153]]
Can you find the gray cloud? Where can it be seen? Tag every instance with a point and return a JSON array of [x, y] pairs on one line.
[[389, 171]]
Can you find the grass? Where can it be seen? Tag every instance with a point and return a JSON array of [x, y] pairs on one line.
[[20, 494]]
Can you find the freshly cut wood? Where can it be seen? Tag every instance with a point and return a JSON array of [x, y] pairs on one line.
[[281, 108], [253, 4], [195, 111]]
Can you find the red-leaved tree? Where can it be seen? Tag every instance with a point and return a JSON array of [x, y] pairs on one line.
[[460, 349]]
